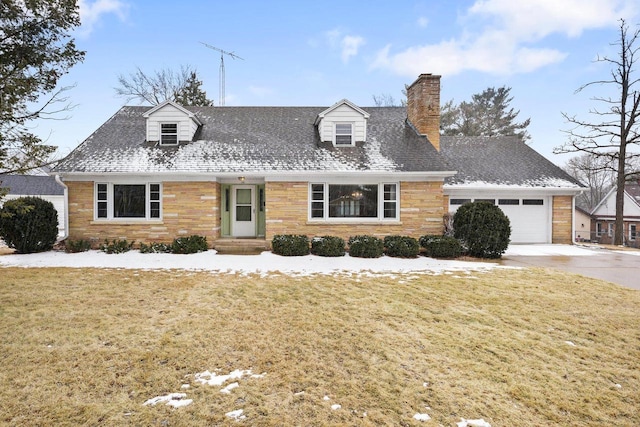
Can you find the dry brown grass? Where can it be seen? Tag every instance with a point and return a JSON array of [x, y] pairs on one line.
[[89, 346]]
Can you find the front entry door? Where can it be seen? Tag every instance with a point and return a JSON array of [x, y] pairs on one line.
[[243, 220]]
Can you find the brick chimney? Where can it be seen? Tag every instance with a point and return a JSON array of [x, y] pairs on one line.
[[423, 107]]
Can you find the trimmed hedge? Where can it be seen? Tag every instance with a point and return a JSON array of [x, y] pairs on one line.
[[328, 246], [290, 244], [483, 228], [116, 246], [441, 246], [189, 245], [75, 246], [401, 246], [29, 224], [366, 247]]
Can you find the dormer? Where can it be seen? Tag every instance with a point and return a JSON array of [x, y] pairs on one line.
[[343, 124], [169, 124]]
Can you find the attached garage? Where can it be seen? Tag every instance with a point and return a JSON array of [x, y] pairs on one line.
[[529, 217]]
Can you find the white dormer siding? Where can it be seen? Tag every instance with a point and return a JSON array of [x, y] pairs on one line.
[[172, 116], [336, 123]]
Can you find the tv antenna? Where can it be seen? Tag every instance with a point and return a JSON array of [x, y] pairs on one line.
[[222, 81]]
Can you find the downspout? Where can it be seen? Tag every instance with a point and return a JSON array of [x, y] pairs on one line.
[[66, 207], [573, 220]]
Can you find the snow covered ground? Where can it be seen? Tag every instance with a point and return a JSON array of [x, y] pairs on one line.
[[267, 262]]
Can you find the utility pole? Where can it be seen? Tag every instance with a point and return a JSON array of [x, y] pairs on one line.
[[222, 78]]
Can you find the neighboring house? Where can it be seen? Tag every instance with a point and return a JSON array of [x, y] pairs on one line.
[[604, 216], [582, 225], [153, 174], [43, 186]]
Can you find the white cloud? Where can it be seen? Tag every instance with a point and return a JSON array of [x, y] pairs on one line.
[[423, 22], [504, 37], [90, 13], [349, 45]]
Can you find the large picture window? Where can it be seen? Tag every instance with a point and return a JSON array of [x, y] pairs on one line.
[[353, 201], [122, 201]]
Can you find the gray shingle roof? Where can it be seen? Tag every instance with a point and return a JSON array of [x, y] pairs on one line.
[[254, 139], [30, 185], [503, 160]]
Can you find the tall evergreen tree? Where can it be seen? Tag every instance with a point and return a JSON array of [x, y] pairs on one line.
[[35, 51], [192, 94], [487, 114]]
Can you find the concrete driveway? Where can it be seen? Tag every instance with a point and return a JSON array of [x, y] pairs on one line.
[[618, 266]]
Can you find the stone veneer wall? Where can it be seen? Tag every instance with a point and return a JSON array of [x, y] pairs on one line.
[[188, 208], [287, 211], [562, 221]]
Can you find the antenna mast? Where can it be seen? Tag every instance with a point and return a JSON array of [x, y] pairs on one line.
[[222, 79]]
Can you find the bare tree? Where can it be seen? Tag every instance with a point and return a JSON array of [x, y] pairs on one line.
[[153, 88], [597, 172], [611, 132]]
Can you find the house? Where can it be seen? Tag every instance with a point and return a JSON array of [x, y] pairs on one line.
[[37, 184], [153, 174], [536, 195], [582, 225], [604, 216]]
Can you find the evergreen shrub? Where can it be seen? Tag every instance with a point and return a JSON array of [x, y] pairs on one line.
[[441, 246], [483, 228], [401, 246], [75, 246], [29, 224], [155, 248], [189, 245], [366, 247], [290, 244], [329, 246], [116, 246]]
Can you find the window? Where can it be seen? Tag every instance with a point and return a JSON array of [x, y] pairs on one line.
[[459, 201], [344, 134], [610, 229], [632, 232], [492, 201], [128, 201], [533, 202], [353, 201], [599, 231], [508, 201], [168, 134]]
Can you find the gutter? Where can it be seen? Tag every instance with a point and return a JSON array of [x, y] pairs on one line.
[[66, 207]]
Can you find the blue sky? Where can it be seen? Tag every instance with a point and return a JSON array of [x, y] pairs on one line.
[[299, 53]]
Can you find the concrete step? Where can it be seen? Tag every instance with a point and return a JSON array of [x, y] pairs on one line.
[[240, 246]]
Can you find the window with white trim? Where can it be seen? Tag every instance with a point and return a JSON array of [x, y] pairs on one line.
[[632, 232], [599, 231], [168, 134], [128, 201], [344, 134], [353, 201]]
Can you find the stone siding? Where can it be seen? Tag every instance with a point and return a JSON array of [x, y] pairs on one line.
[[287, 212], [562, 222], [188, 208]]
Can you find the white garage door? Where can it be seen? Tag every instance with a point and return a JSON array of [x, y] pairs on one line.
[[530, 221]]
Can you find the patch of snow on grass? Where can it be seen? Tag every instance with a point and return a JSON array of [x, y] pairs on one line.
[[336, 406], [473, 423], [236, 415], [212, 379], [172, 399], [227, 389], [422, 417]]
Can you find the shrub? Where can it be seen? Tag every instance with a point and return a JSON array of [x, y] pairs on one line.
[[483, 228], [365, 247], [155, 248], [189, 245], [401, 246], [116, 246], [75, 246], [290, 244], [29, 224], [329, 246], [441, 246]]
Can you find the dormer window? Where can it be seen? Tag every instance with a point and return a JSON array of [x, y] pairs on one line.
[[344, 134], [169, 134]]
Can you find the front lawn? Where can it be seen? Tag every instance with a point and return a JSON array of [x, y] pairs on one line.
[[512, 347]]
